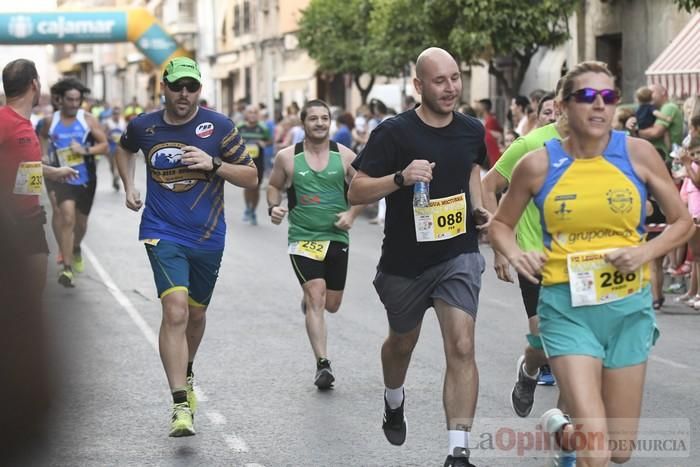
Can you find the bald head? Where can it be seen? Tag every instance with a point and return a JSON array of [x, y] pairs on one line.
[[659, 95], [430, 59]]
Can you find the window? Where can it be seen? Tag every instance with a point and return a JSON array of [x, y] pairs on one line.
[[246, 17], [236, 20]]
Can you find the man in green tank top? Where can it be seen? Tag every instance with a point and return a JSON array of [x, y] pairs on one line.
[[315, 174], [256, 137], [532, 366]]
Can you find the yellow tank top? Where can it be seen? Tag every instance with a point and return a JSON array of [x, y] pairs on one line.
[[588, 205]]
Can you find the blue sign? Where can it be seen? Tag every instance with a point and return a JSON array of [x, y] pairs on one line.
[[156, 44], [63, 27]]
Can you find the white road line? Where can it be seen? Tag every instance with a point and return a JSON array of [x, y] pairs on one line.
[[122, 299], [201, 395], [215, 418], [254, 465], [235, 443], [668, 362]]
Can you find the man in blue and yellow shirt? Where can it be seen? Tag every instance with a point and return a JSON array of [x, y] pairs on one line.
[[190, 153]]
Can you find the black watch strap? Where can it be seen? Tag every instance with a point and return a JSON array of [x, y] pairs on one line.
[[398, 178], [216, 164]]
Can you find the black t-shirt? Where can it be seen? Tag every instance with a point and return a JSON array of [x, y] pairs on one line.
[[454, 149]]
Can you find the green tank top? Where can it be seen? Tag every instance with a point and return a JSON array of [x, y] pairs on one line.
[[316, 197]]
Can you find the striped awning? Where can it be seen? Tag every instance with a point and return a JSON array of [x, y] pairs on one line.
[[678, 66]]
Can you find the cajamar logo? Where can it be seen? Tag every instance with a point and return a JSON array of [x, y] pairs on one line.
[[620, 200]]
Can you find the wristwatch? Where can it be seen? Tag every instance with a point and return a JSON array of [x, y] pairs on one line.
[[398, 178], [216, 164]]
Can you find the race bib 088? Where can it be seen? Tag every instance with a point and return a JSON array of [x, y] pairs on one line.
[[443, 219]]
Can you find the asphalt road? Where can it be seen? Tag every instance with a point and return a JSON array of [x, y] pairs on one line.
[[255, 367]]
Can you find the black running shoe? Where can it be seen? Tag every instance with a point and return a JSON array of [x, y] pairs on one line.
[[394, 424], [523, 396], [459, 459], [324, 374]]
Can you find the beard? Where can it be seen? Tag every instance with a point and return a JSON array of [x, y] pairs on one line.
[[174, 108], [434, 106]]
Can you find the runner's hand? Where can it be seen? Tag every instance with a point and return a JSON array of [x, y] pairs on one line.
[[419, 170], [482, 218], [197, 159], [64, 174], [529, 264], [76, 147], [344, 221], [133, 200], [277, 214], [502, 267], [628, 259]]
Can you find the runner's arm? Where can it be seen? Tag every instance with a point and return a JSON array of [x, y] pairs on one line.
[[653, 172], [492, 184], [126, 164], [101, 145], [527, 179], [276, 185], [59, 174]]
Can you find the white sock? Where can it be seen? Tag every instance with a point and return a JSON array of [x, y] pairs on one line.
[[537, 374], [457, 439], [394, 397]]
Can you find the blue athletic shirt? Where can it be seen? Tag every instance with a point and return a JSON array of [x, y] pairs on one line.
[[61, 137], [182, 205]]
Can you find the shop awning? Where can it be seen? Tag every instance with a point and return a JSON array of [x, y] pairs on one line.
[[678, 66]]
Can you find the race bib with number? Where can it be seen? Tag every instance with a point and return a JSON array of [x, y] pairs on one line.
[[253, 151], [445, 218], [30, 179], [151, 241], [68, 158], [594, 281], [314, 249]]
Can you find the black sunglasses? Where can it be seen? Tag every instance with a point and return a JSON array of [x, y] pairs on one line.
[[588, 95], [179, 85]]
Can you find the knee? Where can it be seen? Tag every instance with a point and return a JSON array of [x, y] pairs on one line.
[[315, 298], [68, 219], [175, 311], [461, 349], [400, 344], [332, 304], [197, 315]]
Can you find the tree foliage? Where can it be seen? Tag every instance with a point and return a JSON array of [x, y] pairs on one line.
[[335, 34], [688, 5], [472, 30]]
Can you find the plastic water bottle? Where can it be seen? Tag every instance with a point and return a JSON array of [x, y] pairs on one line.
[[421, 195]]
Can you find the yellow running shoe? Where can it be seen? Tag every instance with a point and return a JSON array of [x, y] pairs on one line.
[[181, 423], [66, 278], [191, 396], [78, 264]]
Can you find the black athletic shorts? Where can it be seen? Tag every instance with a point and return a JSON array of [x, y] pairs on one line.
[[30, 230], [531, 294], [260, 165], [83, 195], [334, 268]]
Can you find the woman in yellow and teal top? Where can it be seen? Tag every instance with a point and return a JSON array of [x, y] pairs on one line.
[[596, 320]]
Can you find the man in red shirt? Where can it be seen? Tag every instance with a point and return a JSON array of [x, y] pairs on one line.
[[494, 132], [21, 168]]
